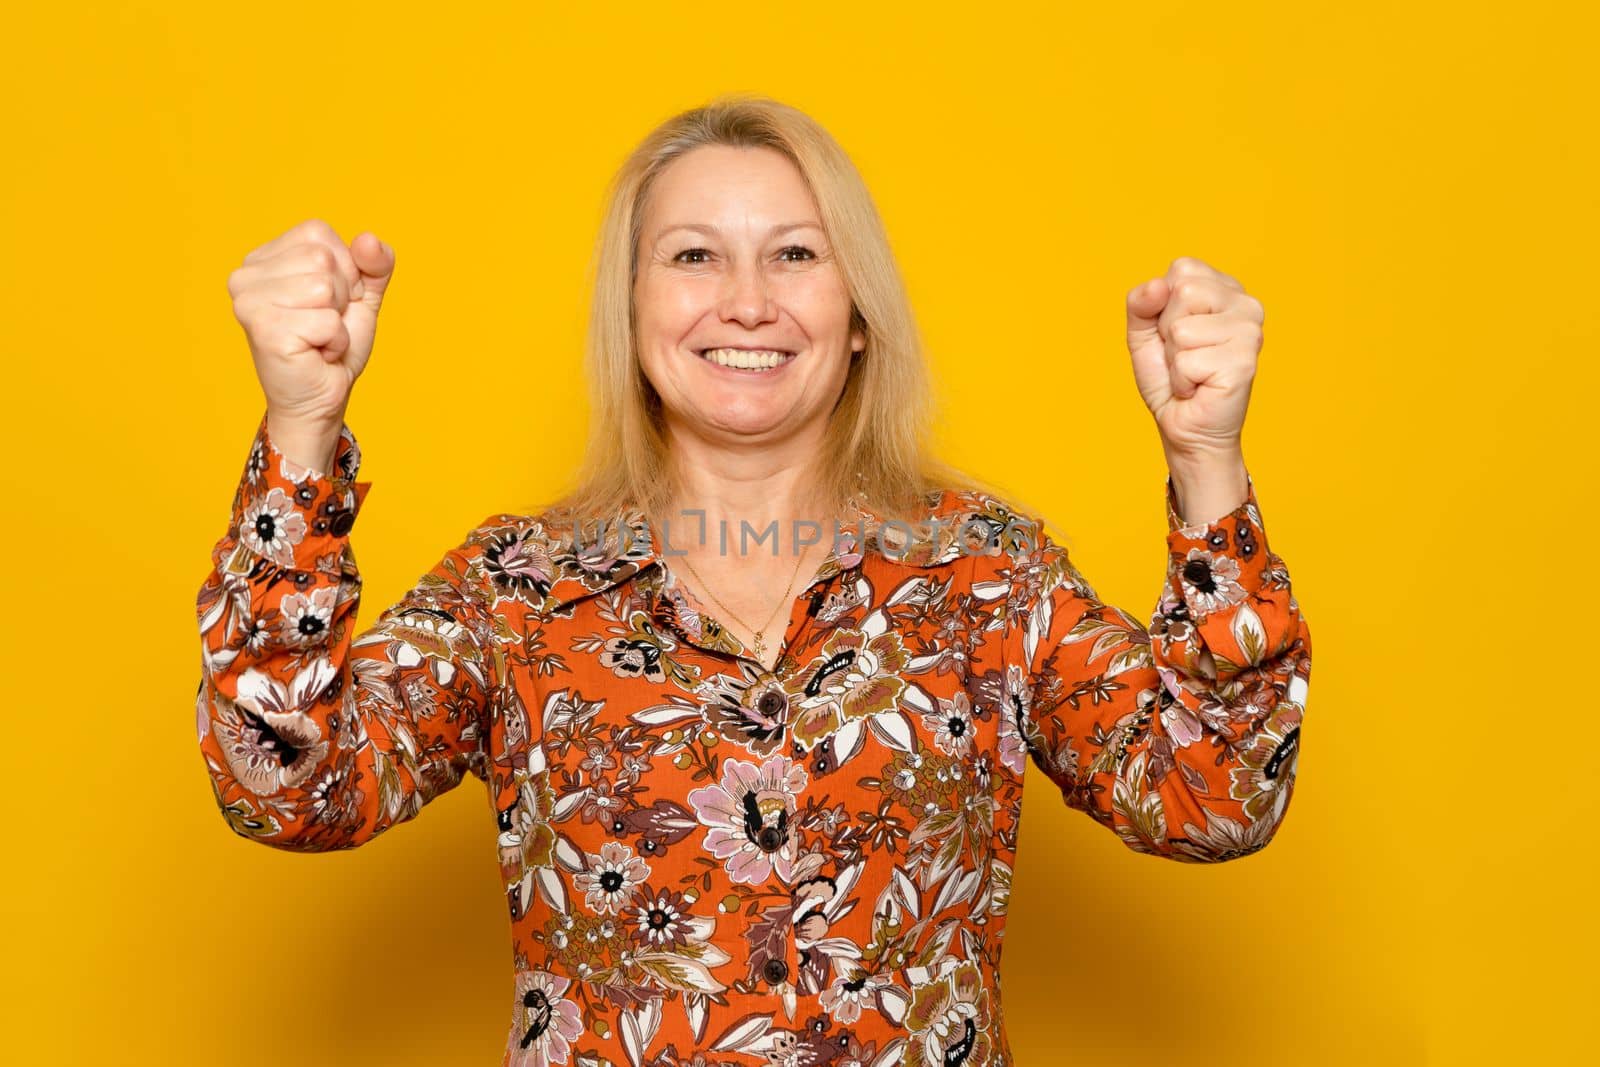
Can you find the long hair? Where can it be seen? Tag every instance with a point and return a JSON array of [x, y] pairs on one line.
[[876, 449]]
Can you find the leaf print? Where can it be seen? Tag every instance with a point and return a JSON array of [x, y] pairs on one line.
[[1145, 825], [638, 1029], [1250, 635], [688, 969], [894, 729], [741, 1036]]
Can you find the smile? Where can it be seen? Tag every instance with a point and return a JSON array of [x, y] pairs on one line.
[[757, 361]]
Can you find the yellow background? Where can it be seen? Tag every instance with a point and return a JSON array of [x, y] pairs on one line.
[[1409, 189]]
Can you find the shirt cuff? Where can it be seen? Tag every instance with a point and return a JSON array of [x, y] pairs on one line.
[[1214, 567], [296, 516]]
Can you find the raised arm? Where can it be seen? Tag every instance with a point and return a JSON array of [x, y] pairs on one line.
[[1182, 737], [317, 737]]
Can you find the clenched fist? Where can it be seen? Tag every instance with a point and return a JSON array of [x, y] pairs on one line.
[[309, 308], [1194, 336]]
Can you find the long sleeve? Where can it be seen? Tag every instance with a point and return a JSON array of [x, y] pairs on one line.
[[315, 737], [1183, 737]]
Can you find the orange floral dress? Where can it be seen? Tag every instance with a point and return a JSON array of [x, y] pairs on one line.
[[706, 862]]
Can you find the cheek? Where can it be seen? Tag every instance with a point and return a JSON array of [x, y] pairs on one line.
[[818, 301], [668, 312]]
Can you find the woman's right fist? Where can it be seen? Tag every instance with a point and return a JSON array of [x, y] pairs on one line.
[[309, 308]]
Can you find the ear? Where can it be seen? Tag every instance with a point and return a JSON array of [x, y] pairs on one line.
[[858, 342]]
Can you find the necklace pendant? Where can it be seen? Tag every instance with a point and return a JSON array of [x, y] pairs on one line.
[[760, 649]]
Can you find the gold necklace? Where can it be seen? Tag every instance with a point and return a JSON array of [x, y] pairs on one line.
[[759, 647]]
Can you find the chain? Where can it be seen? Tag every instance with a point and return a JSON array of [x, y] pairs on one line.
[[759, 646]]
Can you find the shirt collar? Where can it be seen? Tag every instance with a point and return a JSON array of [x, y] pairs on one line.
[[955, 519]]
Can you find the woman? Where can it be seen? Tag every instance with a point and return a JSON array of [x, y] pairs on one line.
[[755, 750]]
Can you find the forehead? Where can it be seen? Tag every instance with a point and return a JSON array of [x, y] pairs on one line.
[[729, 190]]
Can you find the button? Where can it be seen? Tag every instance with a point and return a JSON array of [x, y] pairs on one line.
[[770, 839], [775, 970], [342, 522], [770, 703]]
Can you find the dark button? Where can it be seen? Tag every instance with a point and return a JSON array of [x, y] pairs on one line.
[[771, 703], [770, 839], [342, 522], [775, 970]]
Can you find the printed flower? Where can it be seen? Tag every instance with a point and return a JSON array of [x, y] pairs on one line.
[[1171, 623], [544, 1022], [952, 724], [1016, 709], [256, 465], [1223, 838], [850, 992], [526, 837], [1264, 777], [752, 805], [949, 1021], [519, 563], [305, 618], [918, 780], [1210, 582], [598, 759], [418, 636], [856, 674], [274, 745], [634, 658], [272, 526], [752, 713], [611, 877], [605, 802], [661, 919]]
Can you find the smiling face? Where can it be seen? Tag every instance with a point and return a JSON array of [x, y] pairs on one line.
[[732, 255]]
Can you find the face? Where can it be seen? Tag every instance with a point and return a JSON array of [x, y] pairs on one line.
[[732, 254]]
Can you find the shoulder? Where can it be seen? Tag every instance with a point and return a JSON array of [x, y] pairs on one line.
[[1009, 520], [957, 521], [543, 559]]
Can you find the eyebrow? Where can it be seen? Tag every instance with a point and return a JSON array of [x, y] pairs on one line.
[[783, 227]]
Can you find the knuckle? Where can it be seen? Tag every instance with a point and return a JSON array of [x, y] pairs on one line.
[[322, 258], [316, 229]]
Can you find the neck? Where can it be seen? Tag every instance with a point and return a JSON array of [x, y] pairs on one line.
[[738, 484]]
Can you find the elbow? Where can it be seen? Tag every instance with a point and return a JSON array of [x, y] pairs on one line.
[[311, 819], [1221, 836], [1258, 788], [270, 791], [279, 827]]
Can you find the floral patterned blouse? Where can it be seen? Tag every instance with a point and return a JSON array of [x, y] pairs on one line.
[[706, 862]]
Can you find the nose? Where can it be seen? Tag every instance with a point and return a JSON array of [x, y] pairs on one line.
[[745, 298]]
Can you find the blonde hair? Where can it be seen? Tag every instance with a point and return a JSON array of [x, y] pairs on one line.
[[876, 449]]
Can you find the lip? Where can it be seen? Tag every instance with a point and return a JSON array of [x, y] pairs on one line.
[[746, 348]]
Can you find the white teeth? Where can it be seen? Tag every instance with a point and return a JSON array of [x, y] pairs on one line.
[[743, 359]]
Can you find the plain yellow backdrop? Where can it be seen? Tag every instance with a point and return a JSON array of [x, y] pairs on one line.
[[1409, 190]]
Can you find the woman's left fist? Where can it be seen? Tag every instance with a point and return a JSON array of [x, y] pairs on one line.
[[1194, 336]]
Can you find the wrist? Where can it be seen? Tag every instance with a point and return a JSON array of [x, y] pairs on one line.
[[309, 442], [1208, 486]]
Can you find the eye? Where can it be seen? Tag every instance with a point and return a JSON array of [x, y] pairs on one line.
[[800, 248], [689, 252]]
